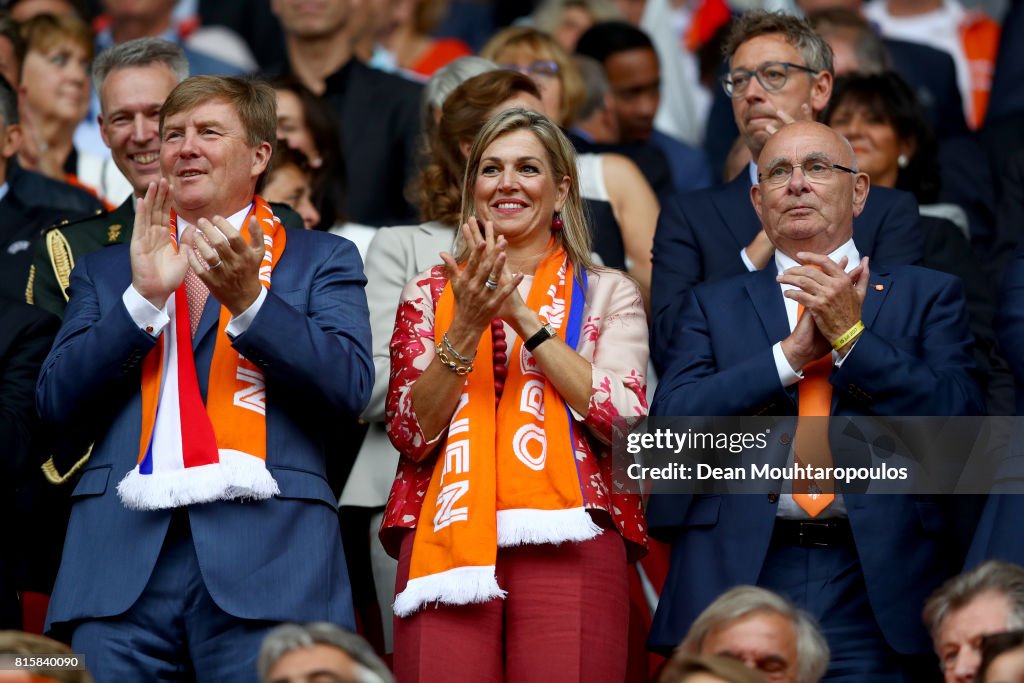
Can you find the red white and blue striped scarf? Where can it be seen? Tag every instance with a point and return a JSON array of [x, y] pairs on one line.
[[191, 452]]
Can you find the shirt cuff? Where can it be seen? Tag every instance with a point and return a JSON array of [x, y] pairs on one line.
[[240, 323], [149, 318], [746, 260], [838, 360], [787, 375]]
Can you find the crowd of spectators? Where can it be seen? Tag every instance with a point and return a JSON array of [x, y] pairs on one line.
[[723, 173]]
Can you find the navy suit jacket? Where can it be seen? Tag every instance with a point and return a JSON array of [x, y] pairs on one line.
[[279, 559], [700, 235], [913, 359]]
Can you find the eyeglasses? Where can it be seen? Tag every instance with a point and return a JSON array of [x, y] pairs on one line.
[[815, 170], [539, 69], [771, 75]]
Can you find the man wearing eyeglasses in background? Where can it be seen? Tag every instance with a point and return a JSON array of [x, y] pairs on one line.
[[872, 340], [780, 71]]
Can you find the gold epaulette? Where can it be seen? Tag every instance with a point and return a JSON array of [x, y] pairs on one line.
[[55, 477], [61, 259], [30, 286]]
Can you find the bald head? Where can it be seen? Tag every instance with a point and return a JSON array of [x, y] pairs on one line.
[[810, 208], [807, 130]]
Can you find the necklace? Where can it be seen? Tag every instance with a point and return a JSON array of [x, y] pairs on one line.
[[499, 347]]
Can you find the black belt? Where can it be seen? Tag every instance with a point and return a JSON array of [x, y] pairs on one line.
[[813, 533]]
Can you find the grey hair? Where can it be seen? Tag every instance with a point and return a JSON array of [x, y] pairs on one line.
[[450, 77], [139, 52], [290, 637], [797, 32], [812, 651], [595, 86], [994, 576]]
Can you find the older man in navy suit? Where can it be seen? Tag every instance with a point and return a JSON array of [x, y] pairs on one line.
[[870, 340], [780, 71], [207, 362]]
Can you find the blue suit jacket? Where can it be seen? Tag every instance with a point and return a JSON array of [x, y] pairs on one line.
[[700, 235], [278, 559], [913, 359]]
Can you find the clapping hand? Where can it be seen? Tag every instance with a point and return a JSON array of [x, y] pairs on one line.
[[226, 262], [484, 288], [831, 297], [158, 268]]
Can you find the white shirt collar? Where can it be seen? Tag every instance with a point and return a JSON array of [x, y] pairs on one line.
[[235, 220], [847, 249]]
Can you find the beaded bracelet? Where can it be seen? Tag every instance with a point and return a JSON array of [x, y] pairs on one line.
[[450, 363], [848, 336], [467, 360]]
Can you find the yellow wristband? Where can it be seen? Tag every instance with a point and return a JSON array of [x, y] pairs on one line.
[[848, 336]]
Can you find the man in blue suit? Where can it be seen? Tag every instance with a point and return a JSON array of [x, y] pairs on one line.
[[899, 345], [780, 71], [216, 533]]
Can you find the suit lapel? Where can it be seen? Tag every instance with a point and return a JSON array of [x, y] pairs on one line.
[[425, 246], [208, 321], [733, 204], [878, 290], [766, 296]]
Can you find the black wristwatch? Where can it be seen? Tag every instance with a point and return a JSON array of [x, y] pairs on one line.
[[542, 335]]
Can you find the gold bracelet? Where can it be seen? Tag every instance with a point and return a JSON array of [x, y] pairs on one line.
[[848, 336], [449, 363], [467, 360]]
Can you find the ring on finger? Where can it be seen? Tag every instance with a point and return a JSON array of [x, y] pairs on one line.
[[218, 264], [491, 283]]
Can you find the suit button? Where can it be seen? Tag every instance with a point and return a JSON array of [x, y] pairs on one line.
[[773, 498], [785, 439]]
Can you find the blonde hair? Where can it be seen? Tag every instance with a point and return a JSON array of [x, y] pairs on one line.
[[543, 47], [45, 32], [575, 233]]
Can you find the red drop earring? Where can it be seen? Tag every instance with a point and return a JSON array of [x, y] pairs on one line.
[[556, 222]]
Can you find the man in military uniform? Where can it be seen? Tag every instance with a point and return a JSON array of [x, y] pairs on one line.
[[133, 80]]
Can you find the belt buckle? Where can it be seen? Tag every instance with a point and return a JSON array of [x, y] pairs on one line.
[[808, 540]]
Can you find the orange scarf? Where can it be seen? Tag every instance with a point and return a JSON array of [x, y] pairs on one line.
[[195, 453], [505, 476]]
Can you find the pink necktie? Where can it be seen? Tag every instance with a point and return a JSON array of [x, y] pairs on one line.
[[197, 292]]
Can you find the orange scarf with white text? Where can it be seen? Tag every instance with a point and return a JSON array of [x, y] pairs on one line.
[[505, 476], [191, 452]]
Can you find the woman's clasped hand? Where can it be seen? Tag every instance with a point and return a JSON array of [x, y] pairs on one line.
[[477, 303]]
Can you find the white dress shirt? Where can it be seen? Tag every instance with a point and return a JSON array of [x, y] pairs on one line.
[[788, 508]]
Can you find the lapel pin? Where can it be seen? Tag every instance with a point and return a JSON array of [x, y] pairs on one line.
[[879, 288]]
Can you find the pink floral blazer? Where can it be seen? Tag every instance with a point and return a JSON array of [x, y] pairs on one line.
[[613, 339]]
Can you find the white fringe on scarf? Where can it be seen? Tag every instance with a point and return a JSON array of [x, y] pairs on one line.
[[237, 475], [535, 527], [458, 586]]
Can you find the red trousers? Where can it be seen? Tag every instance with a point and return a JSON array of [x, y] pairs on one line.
[[565, 618]]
